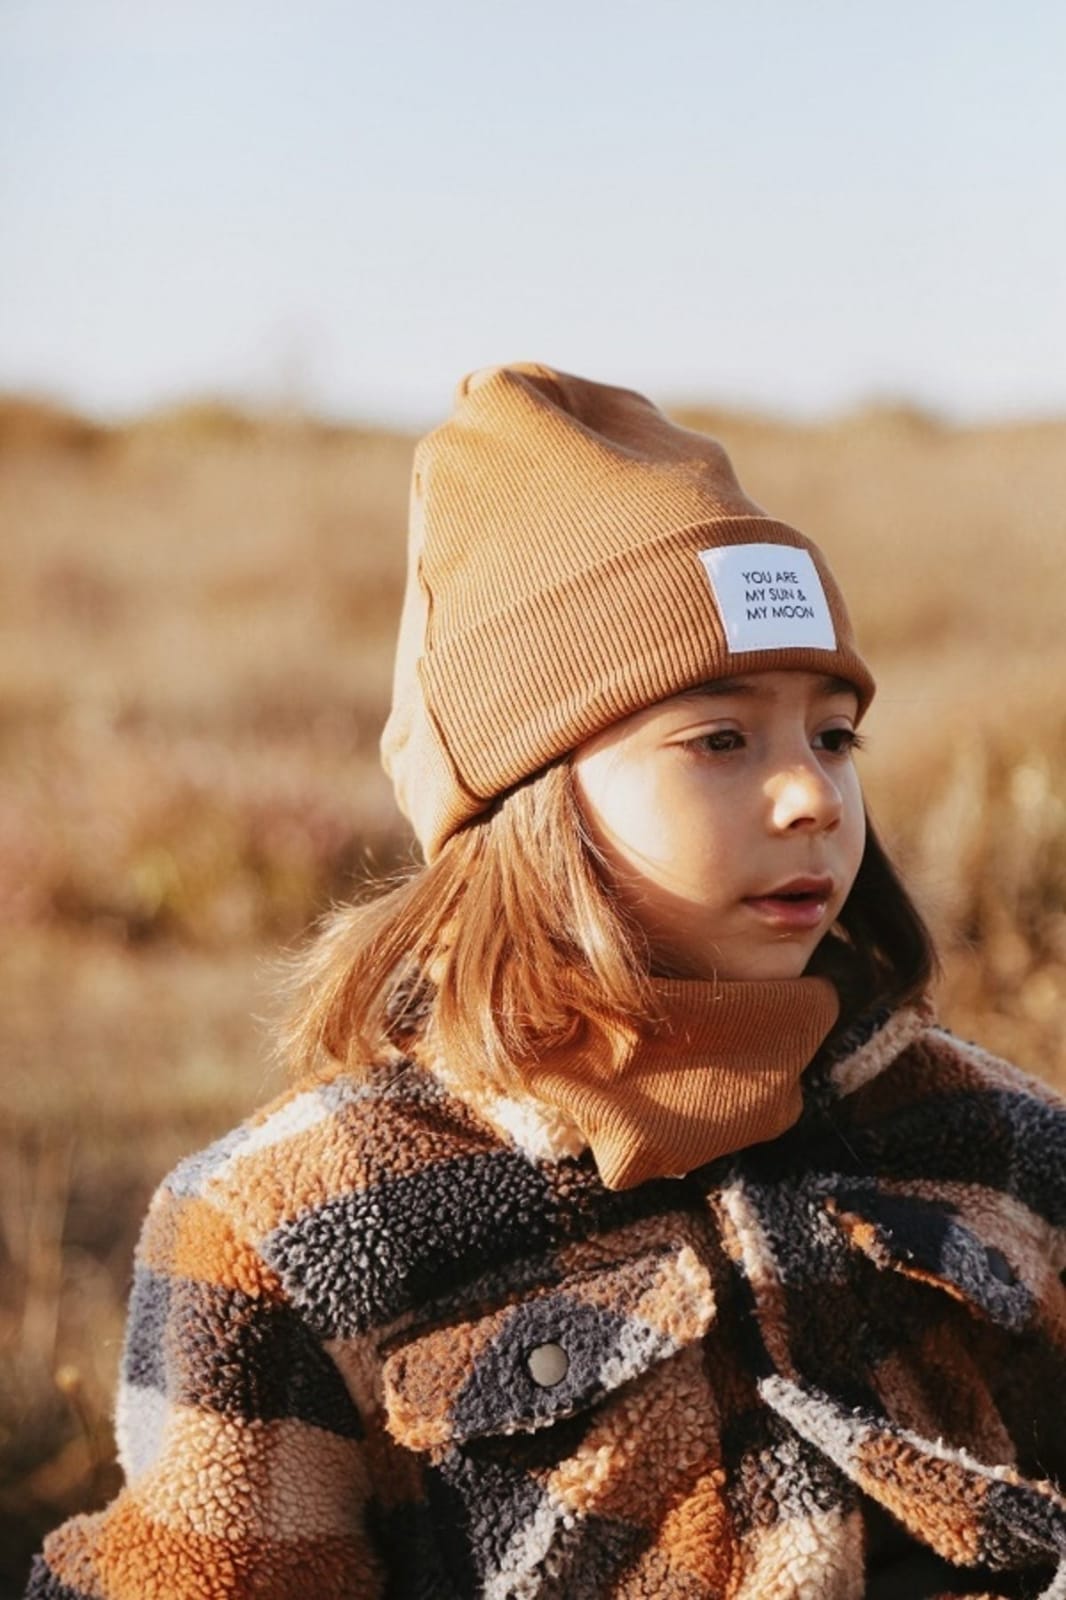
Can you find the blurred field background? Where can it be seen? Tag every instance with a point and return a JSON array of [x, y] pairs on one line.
[[197, 618]]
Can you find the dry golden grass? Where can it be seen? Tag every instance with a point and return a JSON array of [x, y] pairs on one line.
[[196, 624]]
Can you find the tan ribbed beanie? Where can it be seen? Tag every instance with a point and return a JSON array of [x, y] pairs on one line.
[[574, 556]]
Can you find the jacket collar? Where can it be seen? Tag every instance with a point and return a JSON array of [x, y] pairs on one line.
[[869, 1046]]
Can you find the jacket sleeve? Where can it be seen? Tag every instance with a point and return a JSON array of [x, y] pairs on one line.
[[242, 1449]]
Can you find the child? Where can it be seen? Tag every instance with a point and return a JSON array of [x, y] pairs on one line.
[[645, 1236]]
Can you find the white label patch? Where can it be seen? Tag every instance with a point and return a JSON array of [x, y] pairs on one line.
[[770, 597]]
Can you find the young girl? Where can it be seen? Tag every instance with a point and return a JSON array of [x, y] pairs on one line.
[[636, 1232]]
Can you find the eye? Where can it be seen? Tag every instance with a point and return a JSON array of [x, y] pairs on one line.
[[838, 741], [719, 742]]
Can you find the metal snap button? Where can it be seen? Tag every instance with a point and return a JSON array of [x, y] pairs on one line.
[[548, 1365], [999, 1266]]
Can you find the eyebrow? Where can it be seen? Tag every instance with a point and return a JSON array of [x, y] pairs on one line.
[[751, 689]]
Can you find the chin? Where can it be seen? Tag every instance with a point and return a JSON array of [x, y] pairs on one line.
[[709, 963], [779, 967]]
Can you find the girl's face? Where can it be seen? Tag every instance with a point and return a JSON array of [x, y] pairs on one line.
[[731, 821]]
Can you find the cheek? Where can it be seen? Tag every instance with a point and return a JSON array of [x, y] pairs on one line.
[[656, 820], [623, 808]]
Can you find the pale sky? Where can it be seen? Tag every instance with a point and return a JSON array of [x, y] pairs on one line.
[[798, 205]]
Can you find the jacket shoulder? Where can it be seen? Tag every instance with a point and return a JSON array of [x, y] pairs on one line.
[[316, 1143], [920, 1103], [909, 1055], [359, 1196]]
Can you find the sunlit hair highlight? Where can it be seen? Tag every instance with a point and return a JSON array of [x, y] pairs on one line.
[[496, 949]]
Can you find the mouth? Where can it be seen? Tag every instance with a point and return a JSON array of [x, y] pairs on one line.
[[799, 904]]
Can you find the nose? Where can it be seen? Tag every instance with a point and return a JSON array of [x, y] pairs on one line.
[[803, 797]]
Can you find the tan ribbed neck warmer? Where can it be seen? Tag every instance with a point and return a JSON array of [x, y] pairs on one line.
[[717, 1071]]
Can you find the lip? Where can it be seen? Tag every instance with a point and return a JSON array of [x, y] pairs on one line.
[[798, 904], [820, 887]]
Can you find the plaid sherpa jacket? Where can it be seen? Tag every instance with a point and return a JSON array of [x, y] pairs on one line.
[[378, 1350]]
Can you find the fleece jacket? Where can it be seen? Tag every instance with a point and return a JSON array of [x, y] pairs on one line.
[[380, 1350]]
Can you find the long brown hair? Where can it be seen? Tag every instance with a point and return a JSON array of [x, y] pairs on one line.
[[511, 935]]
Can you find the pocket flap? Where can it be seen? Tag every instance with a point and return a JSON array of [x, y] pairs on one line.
[[552, 1352], [928, 1241]]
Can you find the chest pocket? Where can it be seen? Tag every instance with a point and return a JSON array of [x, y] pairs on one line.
[[554, 1351]]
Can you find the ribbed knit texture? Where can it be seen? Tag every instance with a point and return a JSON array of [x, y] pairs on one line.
[[554, 585], [719, 1071]]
